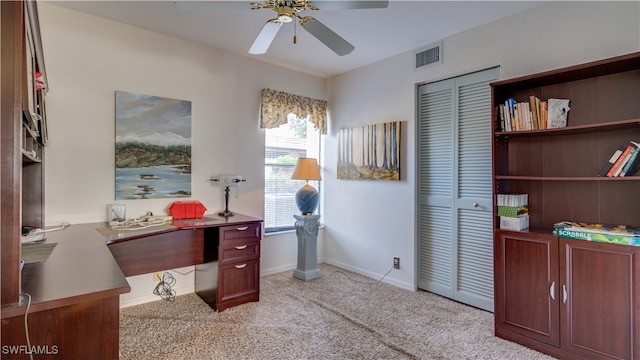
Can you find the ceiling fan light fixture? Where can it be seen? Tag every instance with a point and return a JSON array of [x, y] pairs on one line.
[[285, 14]]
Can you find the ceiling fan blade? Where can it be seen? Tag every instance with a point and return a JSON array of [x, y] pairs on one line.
[[332, 40], [353, 4], [265, 37]]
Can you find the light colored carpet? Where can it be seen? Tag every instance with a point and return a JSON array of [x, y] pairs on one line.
[[339, 316]]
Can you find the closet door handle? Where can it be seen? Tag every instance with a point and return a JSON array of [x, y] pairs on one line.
[[552, 291], [475, 204], [241, 266], [242, 228], [564, 294], [241, 247]]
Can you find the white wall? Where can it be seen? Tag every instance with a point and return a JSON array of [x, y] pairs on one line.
[[367, 223], [89, 58], [370, 222]]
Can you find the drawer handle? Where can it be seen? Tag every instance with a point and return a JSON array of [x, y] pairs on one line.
[[241, 247], [242, 228], [241, 266]]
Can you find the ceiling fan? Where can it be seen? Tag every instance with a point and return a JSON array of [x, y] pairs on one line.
[[290, 10]]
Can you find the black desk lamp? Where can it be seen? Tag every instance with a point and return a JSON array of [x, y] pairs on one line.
[[227, 181]]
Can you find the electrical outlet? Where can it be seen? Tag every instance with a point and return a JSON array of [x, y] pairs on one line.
[[157, 276], [396, 263]]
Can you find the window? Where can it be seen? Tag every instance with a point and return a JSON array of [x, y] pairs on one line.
[[283, 146]]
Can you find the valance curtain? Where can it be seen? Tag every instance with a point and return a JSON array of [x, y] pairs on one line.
[[276, 105]]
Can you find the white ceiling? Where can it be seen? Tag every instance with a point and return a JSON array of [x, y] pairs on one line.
[[376, 33]]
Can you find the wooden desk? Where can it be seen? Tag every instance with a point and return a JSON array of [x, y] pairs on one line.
[[75, 300], [226, 252], [75, 305]]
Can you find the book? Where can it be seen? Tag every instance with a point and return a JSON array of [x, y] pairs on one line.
[[612, 160], [502, 124], [558, 110], [620, 161], [514, 223], [631, 166], [624, 162], [534, 104], [543, 114], [513, 211], [513, 200], [510, 108]]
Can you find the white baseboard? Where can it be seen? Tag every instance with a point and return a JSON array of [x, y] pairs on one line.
[[372, 275]]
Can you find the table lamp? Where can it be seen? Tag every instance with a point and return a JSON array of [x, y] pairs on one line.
[[227, 181], [307, 196]]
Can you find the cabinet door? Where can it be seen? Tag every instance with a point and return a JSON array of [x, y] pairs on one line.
[[238, 283], [600, 312], [526, 286]]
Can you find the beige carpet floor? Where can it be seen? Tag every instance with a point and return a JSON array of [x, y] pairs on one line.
[[341, 315]]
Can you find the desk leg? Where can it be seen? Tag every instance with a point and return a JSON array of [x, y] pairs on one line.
[[307, 231]]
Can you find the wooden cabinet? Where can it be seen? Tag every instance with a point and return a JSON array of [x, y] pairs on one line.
[[526, 286], [600, 299], [22, 149], [230, 275], [570, 298]]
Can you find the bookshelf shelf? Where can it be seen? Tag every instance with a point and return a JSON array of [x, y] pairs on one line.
[[578, 129], [558, 169], [566, 178]]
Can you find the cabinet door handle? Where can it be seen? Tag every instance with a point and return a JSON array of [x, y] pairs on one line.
[[475, 204], [564, 294], [552, 291], [240, 266], [242, 228], [241, 247]]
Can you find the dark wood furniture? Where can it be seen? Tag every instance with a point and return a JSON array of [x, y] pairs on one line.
[[571, 299], [75, 308], [22, 151], [75, 300], [226, 252], [235, 279]]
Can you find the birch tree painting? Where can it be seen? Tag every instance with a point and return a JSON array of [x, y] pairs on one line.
[[370, 152]]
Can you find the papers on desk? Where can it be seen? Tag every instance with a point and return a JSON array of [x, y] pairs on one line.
[[32, 237]]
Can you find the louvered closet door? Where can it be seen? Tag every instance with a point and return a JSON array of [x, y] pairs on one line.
[[455, 241]]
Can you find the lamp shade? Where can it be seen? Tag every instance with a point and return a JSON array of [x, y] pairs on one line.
[[307, 196], [306, 169]]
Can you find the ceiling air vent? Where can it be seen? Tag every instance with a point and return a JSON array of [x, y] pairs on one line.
[[431, 55]]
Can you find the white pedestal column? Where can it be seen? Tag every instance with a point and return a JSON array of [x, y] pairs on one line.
[[307, 231]]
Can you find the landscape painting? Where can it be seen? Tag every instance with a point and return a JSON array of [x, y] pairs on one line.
[[153, 147], [370, 152]]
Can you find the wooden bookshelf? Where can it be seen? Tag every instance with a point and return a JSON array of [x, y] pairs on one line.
[[558, 168]]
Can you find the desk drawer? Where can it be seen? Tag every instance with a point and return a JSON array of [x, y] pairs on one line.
[[243, 251], [238, 283], [232, 236]]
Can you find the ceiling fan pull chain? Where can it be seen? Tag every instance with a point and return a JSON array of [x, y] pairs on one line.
[[295, 40]]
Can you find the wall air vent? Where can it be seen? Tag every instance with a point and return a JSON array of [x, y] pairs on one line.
[[430, 55]]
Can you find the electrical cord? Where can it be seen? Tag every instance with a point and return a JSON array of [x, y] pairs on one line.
[[363, 282], [164, 287], [183, 274], [26, 324]]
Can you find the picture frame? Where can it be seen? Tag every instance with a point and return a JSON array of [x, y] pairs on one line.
[[370, 152]]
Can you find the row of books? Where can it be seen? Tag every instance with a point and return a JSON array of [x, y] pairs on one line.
[[624, 161], [534, 114], [616, 234]]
